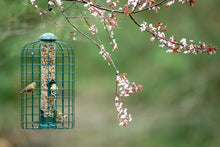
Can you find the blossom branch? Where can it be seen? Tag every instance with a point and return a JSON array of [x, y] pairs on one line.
[[118, 11], [126, 89], [107, 16], [150, 7], [171, 43]]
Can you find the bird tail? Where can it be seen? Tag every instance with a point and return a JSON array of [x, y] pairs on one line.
[[22, 91]]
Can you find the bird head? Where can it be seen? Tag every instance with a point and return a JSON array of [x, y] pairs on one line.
[[59, 113], [53, 86], [51, 82], [34, 84]]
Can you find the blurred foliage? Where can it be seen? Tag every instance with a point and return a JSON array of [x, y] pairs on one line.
[[179, 105]]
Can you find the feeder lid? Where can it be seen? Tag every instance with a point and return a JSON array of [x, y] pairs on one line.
[[48, 37]]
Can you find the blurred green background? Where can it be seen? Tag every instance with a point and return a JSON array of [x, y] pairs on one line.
[[180, 102]]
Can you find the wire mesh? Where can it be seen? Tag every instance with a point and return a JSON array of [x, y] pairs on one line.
[[46, 62]]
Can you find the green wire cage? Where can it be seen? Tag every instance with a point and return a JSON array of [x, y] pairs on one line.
[[47, 62]]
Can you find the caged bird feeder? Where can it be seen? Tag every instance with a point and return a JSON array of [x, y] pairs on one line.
[[48, 65]]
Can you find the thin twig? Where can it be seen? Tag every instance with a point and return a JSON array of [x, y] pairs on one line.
[[69, 6], [50, 18], [159, 37], [84, 17], [150, 7], [64, 14], [119, 11], [134, 21], [67, 19]]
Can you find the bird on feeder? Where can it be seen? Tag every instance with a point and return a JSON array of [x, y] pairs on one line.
[[29, 88], [60, 115], [53, 88]]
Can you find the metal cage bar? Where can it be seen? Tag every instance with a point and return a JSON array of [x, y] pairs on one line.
[[60, 114]]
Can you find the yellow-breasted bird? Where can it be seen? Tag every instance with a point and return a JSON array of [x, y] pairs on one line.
[[53, 89], [60, 115], [29, 88]]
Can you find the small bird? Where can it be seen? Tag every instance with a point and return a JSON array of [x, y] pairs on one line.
[[60, 116], [29, 88], [54, 89]]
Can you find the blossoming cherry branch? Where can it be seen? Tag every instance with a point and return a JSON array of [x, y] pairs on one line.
[[108, 16]]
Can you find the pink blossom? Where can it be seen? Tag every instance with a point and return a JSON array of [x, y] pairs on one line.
[[32, 2], [156, 9], [93, 29], [57, 3], [170, 3], [111, 35], [123, 116], [115, 46], [50, 3], [169, 51], [120, 9], [87, 4], [112, 4], [105, 54], [152, 39], [143, 26], [182, 1], [183, 41], [43, 12], [126, 88], [132, 4]]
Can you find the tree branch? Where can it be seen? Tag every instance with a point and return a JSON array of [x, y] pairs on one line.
[[118, 11], [67, 19], [201, 47]]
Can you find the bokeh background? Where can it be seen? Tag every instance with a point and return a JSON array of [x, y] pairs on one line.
[[180, 102]]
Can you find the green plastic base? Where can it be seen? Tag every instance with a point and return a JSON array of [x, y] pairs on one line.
[[48, 123], [47, 126]]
